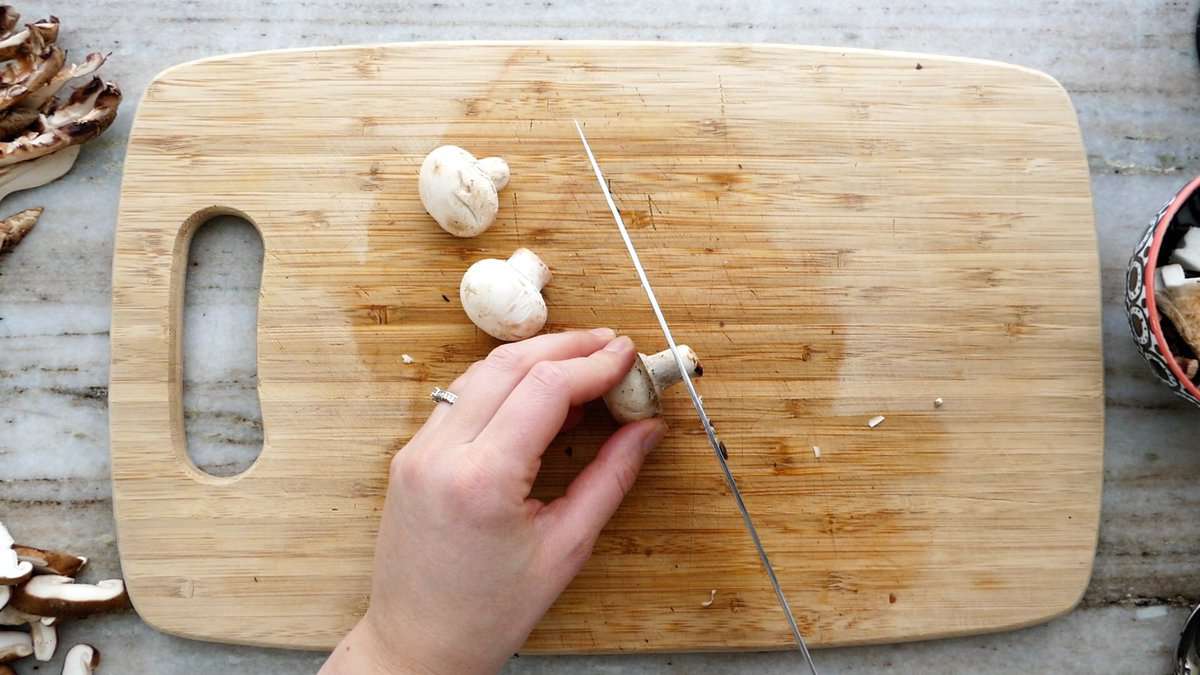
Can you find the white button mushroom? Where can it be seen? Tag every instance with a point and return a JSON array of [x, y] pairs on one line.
[[504, 297], [459, 191], [639, 395]]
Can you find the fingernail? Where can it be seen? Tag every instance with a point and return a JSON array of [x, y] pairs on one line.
[[619, 345], [606, 333], [654, 436]]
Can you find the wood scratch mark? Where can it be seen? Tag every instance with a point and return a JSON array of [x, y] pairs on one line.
[[517, 217]]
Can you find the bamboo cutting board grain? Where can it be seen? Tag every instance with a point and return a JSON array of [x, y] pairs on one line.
[[840, 234]]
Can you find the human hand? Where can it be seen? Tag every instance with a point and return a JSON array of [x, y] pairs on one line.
[[466, 562]]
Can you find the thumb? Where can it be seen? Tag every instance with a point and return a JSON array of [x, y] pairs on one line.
[[594, 495]]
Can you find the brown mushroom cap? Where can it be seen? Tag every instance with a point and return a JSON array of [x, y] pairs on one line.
[[46, 561], [54, 595]]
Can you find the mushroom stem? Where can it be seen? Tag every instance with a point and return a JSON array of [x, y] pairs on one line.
[[665, 372], [530, 266], [497, 170]]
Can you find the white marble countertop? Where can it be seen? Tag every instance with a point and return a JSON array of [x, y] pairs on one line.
[[1132, 72]]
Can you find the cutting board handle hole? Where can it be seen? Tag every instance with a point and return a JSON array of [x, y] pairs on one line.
[[222, 415]]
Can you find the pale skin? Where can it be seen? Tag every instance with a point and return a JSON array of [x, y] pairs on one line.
[[466, 563]]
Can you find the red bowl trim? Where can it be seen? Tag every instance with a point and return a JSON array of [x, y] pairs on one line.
[[1148, 280]]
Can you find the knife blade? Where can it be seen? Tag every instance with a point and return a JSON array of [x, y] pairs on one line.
[[718, 446]]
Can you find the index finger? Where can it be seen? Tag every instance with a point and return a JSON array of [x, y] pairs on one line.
[[534, 412], [487, 383]]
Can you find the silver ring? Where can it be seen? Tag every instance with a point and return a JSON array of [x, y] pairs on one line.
[[443, 395]]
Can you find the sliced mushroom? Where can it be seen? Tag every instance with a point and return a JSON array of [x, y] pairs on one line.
[[46, 561], [85, 115], [5, 594], [12, 230], [14, 645], [40, 97], [12, 570], [639, 395], [37, 172], [54, 595], [9, 17], [41, 628], [45, 640], [33, 37], [11, 616], [81, 660], [30, 71]]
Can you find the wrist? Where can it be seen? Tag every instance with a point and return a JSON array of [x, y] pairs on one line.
[[363, 652]]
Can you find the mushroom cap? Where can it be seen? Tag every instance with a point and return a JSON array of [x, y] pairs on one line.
[[457, 190], [13, 571], [49, 561], [14, 645], [635, 396], [502, 301], [81, 660], [54, 595]]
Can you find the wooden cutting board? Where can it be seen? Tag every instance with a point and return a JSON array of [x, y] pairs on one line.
[[839, 233]]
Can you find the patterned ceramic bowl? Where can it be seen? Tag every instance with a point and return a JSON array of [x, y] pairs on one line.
[[1156, 339]]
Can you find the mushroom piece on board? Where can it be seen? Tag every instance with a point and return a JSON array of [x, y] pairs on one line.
[[81, 660], [461, 192], [638, 395], [59, 596], [46, 561], [504, 297]]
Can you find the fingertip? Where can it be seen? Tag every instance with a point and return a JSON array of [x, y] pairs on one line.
[[606, 333], [619, 345], [656, 430]]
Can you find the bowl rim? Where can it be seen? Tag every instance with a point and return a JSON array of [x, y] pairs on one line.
[[1148, 277]]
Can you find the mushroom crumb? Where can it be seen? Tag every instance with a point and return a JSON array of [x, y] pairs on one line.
[[406, 359], [875, 421], [712, 597], [817, 451], [938, 402]]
